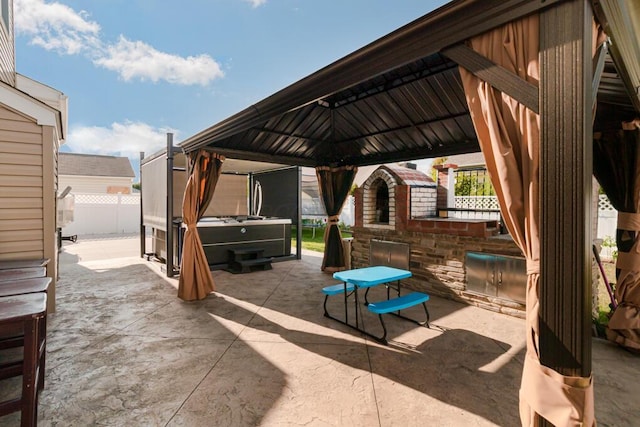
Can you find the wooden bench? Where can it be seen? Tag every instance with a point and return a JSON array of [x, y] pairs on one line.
[[21, 287], [22, 273], [248, 260], [25, 286], [393, 305], [23, 263], [28, 314]]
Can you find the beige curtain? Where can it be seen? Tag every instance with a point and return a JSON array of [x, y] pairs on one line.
[[509, 137], [196, 281]]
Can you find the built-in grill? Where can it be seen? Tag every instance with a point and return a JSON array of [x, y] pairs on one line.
[[398, 223]]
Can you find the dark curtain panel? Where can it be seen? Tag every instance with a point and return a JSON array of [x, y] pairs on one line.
[[334, 185], [195, 280], [616, 166]]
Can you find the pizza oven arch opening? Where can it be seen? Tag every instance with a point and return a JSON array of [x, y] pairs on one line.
[[382, 201], [379, 192]]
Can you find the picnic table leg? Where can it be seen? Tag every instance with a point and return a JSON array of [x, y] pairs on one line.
[[346, 311], [356, 305]]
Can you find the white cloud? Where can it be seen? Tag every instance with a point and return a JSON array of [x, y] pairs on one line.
[[256, 3], [139, 60], [126, 139], [59, 28], [55, 26]]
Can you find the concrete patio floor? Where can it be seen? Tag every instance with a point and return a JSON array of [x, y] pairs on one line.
[[123, 350]]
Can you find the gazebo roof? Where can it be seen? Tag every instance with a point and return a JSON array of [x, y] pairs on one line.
[[401, 97]]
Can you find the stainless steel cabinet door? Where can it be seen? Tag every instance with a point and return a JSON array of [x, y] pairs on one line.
[[481, 273], [511, 278]]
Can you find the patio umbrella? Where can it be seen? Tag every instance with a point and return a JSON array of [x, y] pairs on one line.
[[616, 166], [508, 134], [196, 281], [334, 185]]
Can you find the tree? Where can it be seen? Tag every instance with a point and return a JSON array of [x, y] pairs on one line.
[[434, 171], [474, 184]]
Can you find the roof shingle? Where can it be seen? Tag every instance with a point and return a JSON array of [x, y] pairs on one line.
[[94, 165]]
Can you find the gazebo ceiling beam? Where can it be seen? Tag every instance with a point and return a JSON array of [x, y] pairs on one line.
[[401, 128], [503, 80], [263, 157]]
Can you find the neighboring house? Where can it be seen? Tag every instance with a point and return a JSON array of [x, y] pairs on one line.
[[470, 160], [33, 125], [90, 173]]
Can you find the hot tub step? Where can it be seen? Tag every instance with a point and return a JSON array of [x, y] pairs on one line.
[[249, 265], [248, 260]]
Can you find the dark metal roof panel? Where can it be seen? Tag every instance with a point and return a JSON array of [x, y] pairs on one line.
[[396, 99], [399, 55]]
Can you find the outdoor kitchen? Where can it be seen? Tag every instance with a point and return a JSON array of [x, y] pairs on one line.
[[457, 258]]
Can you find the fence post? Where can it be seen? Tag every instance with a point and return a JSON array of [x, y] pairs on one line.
[[118, 211]]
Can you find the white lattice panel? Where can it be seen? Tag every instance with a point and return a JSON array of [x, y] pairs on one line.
[[107, 199], [130, 199], [477, 202], [604, 204], [97, 199]]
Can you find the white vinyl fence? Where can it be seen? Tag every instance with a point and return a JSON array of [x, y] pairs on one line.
[[120, 214], [104, 214], [607, 221]]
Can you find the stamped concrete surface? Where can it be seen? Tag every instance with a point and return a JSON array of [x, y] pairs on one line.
[[123, 350]]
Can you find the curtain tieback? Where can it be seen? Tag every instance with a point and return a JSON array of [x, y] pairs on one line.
[[628, 261], [334, 219], [533, 267], [632, 125], [629, 221], [191, 226]]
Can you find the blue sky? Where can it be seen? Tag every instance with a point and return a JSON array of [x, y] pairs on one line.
[[136, 69]]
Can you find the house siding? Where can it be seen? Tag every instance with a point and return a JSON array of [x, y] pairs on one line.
[[27, 191], [21, 187], [7, 51]]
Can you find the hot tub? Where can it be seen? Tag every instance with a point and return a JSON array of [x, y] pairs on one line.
[[219, 235]]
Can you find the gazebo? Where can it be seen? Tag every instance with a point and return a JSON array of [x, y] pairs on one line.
[[530, 83]]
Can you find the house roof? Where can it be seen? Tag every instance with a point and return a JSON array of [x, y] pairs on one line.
[[94, 165], [30, 104], [400, 97]]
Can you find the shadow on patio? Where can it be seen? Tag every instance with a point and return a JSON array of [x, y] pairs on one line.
[[124, 350]]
